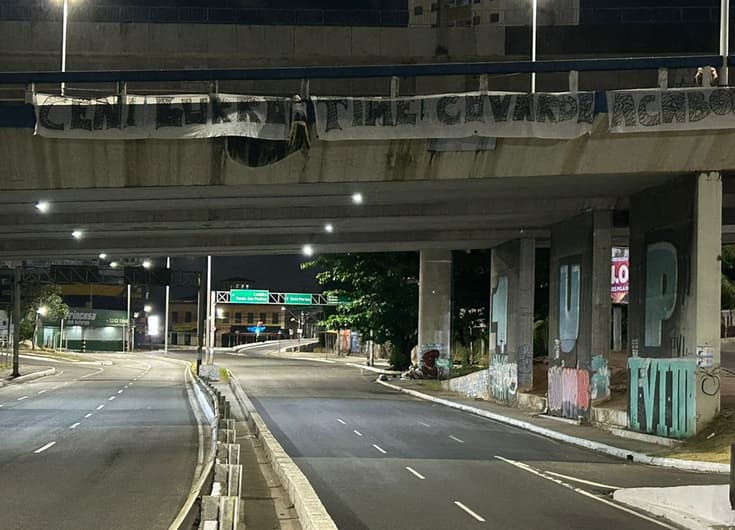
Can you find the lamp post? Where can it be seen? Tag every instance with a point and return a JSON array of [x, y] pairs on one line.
[[724, 39], [534, 26], [64, 30]]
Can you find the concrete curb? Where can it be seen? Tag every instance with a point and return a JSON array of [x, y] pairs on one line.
[[383, 371], [28, 377], [670, 509], [684, 465], [309, 508]]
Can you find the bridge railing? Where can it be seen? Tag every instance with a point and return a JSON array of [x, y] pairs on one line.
[[599, 74]]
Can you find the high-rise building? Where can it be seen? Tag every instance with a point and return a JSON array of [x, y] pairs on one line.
[[493, 12]]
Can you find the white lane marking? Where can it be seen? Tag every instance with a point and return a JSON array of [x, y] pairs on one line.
[[57, 387], [415, 473], [47, 446], [466, 509], [581, 481], [100, 407], [526, 467], [357, 433], [22, 398], [89, 415], [43, 391], [424, 424], [111, 398], [119, 391], [342, 422], [456, 439], [77, 424], [99, 371], [380, 449]]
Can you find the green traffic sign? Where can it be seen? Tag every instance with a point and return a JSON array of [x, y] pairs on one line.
[[249, 296], [332, 299], [297, 298]]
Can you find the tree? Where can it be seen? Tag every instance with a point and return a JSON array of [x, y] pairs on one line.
[[728, 277], [40, 298], [383, 289]]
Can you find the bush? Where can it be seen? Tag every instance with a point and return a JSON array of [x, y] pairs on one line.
[[399, 360]]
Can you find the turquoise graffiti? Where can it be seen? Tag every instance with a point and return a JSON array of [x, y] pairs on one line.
[[662, 396], [569, 292], [500, 314], [661, 284], [600, 382]]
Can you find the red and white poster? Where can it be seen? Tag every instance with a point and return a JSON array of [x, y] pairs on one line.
[[620, 275]]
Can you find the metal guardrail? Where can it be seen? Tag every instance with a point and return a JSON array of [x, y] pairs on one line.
[[368, 71], [99, 12]]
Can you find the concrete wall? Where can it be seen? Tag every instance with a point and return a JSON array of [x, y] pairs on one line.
[[474, 385], [113, 46]]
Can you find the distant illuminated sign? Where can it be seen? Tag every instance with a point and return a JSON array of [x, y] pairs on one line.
[[249, 296], [256, 329], [620, 274], [297, 299]]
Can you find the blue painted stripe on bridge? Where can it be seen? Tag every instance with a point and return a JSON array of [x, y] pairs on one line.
[[368, 71]]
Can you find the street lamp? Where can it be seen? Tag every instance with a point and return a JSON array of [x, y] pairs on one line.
[[64, 28], [724, 39], [534, 27]]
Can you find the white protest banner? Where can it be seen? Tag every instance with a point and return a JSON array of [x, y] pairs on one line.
[[489, 114], [679, 109], [166, 117]]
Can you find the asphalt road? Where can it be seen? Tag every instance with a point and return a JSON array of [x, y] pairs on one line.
[[381, 459], [97, 446], [728, 356]]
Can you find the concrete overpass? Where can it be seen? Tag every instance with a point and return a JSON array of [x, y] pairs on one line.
[[661, 191]]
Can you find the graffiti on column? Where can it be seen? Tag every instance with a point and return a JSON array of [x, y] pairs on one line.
[[434, 360], [503, 379], [661, 285], [663, 396], [525, 366], [500, 314], [600, 382], [570, 276], [569, 392]]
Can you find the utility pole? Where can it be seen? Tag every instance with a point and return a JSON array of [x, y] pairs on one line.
[[168, 297], [16, 321], [200, 323]]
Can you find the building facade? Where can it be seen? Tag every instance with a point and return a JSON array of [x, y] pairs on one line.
[[466, 13]]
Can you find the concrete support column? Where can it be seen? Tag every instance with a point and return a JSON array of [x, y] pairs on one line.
[[512, 280], [674, 310], [579, 313], [601, 298], [435, 307]]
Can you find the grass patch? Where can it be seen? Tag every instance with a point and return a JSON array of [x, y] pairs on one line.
[[708, 448], [431, 384], [224, 375], [459, 371]]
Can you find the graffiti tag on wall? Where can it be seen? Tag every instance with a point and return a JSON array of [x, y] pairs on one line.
[[569, 392], [662, 396], [661, 285], [600, 383], [570, 277], [503, 379], [475, 385], [500, 314]]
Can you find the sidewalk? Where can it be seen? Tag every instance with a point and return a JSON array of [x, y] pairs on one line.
[[380, 366], [27, 374]]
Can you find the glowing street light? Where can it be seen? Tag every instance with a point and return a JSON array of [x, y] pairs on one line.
[[77, 234], [102, 256], [328, 228], [308, 250], [114, 265], [43, 206], [147, 264], [43, 310], [357, 198]]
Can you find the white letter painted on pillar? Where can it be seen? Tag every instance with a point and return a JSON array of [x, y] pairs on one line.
[[661, 284], [500, 313], [570, 277]]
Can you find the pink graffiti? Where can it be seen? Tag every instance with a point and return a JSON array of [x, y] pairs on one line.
[[569, 391]]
